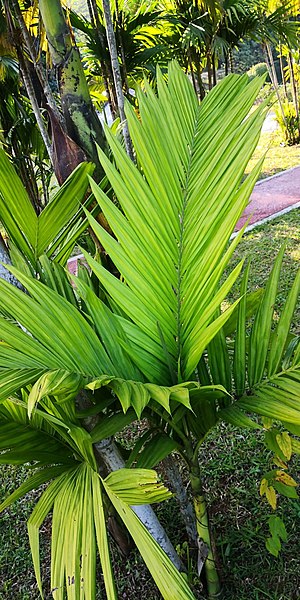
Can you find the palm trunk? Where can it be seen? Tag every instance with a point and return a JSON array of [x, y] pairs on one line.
[[109, 458], [82, 123], [4, 258], [199, 78], [282, 73], [294, 87], [36, 60], [106, 71], [170, 465], [113, 461], [226, 64], [214, 70], [209, 70], [34, 103], [121, 45], [273, 77], [192, 72], [230, 54], [203, 531], [116, 74]]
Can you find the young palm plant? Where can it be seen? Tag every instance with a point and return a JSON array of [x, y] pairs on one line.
[[142, 346]]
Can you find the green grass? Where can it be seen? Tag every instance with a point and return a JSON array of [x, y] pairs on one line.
[[233, 463], [278, 158]]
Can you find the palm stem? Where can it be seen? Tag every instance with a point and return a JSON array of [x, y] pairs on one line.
[[203, 531]]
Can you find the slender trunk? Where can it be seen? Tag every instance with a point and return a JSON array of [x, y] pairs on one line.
[[294, 86], [112, 459], [226, 64], [214, 70], [199, 78], [192, 72], [282, 73], [203, 531], [121, 45], [82, 123], [230, 54], [106, 73], [209, 70], [116, 74], [34, 103], [108, 455], [185, 506], [36, 60], [4, 258], [273, 77]]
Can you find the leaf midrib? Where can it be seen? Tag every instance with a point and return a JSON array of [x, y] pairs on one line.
[[180, 245]]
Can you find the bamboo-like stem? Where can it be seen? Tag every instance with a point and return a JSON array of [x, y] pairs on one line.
[[111, 40], [203, 531]]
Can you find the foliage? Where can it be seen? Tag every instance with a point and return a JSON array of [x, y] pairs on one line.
[[159, 329], [257, 70], [288, 123]]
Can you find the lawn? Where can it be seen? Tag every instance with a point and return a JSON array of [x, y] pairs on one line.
[[233, 464], [279, 157]]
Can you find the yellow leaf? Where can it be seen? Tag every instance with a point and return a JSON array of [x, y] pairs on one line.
[[284, 442], [263, 487], [267, 422], [271, 496], [279, 463], [285, 478]]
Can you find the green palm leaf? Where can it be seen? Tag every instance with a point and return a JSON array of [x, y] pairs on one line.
[[31, 234], [179, 210]]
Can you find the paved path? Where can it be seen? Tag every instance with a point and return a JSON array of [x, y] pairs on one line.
[[273, 195]]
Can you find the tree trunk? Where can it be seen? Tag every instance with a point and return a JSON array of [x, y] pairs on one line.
[[199, 77], [36, 60], [209, 70], [230, 54], [204, 536], [4, 258], [82, 123], [111, 457], [108, 455], [185, 506], [214, 70], [192, 72], [106, 70], [282, 73], [34, 103], [226, 64], [273, 77], [294, 87], [116, 74]]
